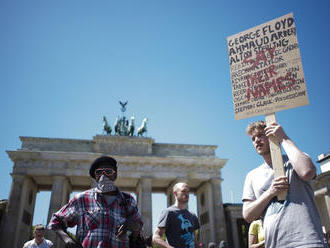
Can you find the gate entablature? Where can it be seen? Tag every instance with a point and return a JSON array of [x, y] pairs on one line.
[[42, 165], [116, 145]]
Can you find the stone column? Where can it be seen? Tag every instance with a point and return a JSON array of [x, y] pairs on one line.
[[211, 212], [235, 232], [322, 200], [59, 197], [144, 190], [170, 196], [219, 213], [327, 207], [16, 226], [204, 219]]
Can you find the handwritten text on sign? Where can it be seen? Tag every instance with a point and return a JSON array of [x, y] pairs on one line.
[[266, 70]]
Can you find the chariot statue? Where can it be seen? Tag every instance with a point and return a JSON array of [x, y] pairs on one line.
[[124, 127]]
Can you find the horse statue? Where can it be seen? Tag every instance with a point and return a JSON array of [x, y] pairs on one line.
[[131, 127], [106, 126], [143, 128], [116, 126]]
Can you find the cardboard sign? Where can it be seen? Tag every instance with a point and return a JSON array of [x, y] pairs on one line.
[[266, 69]]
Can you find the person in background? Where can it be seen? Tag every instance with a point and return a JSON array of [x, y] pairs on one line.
[[39, 241], [223, 244], [177, 222], [211, 245], [256, 234]]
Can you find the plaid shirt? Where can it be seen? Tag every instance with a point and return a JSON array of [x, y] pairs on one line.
[[97, 222]]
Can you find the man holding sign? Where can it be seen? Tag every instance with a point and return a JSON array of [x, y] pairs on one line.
[[267, 76], [294, 222]]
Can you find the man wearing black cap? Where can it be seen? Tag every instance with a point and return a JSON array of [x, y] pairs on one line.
[[103, 215]]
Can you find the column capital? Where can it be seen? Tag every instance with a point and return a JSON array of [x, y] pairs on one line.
[[144, 183], [59, 177], [215, 180], [61, 180], [18, 176], [143, 178]]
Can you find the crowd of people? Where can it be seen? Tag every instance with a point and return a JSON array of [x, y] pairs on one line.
[[105, 216]]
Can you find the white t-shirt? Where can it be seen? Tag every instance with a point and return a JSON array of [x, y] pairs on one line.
[[33, 244], [292, 223]]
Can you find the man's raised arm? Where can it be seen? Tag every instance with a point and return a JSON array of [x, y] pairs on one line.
[[300, 161], [157, 238]]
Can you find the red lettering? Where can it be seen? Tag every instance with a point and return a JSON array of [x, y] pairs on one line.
[[251, 79], [262, 90], [271, 71], [261, 76], [260, 56], [271, 52], [257, 88], [270, 85], [254, 92]]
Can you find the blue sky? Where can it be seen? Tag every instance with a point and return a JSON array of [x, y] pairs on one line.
[[65, 64]]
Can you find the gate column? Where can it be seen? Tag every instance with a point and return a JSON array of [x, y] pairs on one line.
[[60, 196], [16, 227], [144, 200], [211, 212], [219, 213]]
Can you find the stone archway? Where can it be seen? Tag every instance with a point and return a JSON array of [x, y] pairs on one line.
[[61, 166]]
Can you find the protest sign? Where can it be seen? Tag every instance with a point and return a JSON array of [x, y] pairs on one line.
[[266, 69]]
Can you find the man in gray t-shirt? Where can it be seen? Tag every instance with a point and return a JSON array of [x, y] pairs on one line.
[[178, 224], [294, 222]]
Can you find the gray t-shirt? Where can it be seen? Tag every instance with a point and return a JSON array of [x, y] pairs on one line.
[[292, 223], [179, 226]]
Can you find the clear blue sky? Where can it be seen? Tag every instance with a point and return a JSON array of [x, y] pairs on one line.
[[65, 64]]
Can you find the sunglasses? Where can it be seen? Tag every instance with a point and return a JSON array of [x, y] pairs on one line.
[[105, 171]]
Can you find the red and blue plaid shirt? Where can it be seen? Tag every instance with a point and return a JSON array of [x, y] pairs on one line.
[[96, 221]]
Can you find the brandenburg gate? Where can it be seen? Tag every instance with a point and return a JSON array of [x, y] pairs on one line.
[[61, 166]]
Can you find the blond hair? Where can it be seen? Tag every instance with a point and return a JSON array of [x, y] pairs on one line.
[[253, 126]]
